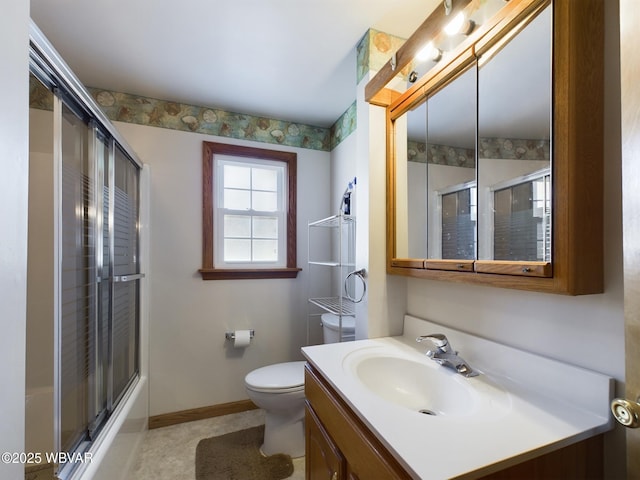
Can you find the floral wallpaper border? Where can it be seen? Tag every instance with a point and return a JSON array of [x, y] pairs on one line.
[[440, 155], [124, 107], [515, 148], [503, 148], [344, 126], [374, 50]]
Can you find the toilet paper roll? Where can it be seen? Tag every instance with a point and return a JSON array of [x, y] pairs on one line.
[[242, 338]]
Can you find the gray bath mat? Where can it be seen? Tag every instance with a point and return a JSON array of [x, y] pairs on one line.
[[236, 456]]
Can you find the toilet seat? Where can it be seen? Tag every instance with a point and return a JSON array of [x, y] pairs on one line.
[[277, 378]]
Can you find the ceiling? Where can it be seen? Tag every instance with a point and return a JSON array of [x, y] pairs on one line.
[[291, 60]]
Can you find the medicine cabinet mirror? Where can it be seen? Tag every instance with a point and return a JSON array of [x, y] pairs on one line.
[[495, 154]]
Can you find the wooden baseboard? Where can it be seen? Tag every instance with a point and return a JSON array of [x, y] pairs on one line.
[[200, 413]]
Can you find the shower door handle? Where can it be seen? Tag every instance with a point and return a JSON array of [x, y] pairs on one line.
[[127, 278]]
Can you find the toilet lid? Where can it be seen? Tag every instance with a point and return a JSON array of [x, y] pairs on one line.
[[280, 377], [332, 321]]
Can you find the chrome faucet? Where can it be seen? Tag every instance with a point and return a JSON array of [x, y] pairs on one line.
[[445, 355]]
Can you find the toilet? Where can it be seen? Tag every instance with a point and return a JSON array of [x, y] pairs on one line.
[[331, 328], [278, 389]]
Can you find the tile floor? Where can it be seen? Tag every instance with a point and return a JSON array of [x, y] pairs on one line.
[[169, 453]]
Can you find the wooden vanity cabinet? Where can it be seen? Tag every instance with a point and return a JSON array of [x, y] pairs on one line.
[[339, 446]]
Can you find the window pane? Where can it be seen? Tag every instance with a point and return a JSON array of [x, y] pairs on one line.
[[265, 227], [237, 250], [237, 226], [125, 335], [237, 177], [265, 179], [126, 215], [265, 250], [237, 199], [458, 225], [265, 201]]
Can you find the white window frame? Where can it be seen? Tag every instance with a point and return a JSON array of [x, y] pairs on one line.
[[220, 211]]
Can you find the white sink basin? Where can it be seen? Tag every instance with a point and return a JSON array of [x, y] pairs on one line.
[[411, 380], [417, 386]]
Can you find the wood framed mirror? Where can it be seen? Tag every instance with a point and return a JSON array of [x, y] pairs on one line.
[[495, 154]]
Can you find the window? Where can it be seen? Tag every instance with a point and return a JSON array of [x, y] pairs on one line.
[[458, 221], [522, 218], [249, 213]]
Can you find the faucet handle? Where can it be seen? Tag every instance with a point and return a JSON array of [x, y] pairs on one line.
[[440, 341]]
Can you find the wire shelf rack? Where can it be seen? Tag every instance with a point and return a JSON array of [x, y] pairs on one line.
[[335, 305]]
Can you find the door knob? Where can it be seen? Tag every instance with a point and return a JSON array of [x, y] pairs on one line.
[[626, 412]]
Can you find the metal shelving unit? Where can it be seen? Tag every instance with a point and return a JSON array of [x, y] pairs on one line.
[[339, 231]]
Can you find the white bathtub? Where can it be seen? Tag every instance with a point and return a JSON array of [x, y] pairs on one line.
[[116, 448]]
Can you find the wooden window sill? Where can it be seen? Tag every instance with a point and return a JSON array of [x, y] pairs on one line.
[[248, 273]]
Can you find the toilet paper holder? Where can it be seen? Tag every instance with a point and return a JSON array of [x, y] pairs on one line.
[[232, 335]]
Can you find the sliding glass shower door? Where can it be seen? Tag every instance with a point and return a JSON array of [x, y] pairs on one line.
[[126, 270], [77, 278], [90, 193], [98, 277]]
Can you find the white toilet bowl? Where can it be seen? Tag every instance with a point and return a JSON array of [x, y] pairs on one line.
[[279, 390]]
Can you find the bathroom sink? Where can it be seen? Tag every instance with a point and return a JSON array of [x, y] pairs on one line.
[[518, 406], [409, 379], [418, 386]]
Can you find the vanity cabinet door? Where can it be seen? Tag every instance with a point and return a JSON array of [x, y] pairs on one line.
[[323, 459], [364, 455]]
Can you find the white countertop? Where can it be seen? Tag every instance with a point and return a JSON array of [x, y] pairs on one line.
[[547, 404]]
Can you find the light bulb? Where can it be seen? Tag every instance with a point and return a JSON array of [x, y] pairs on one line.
[[454, 26], [429, 52], [459, 25]]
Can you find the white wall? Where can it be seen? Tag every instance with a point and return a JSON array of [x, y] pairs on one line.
[[40, 276], [380, 313], [190, 364], [343, 170], [14, 162]]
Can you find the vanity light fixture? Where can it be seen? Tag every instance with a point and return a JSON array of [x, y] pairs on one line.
[[459, 25], [429, 52]]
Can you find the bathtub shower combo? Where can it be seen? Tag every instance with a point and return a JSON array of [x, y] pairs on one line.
[[86, 268]]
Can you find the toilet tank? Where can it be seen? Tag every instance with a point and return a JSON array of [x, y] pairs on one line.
[[331, 328]]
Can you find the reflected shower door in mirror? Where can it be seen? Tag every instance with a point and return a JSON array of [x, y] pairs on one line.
[[451, 172], [514, 147]]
